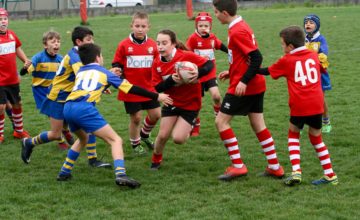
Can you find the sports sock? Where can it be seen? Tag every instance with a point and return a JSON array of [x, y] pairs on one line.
[[2, 122], [294, 150], [156, 158], [323, 154], [216, 109], [197, 122], [18, 119], [229, 139], [119, 166], [91, 147], [147, 127], [268, 146], [135, 142], [326, 121], [69, 162], [9, 114], [42, 138]]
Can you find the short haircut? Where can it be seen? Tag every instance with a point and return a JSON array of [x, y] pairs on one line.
[[88, 53], [50, 35], [293, 35], [79, 33], [140, 15], [230, 6]]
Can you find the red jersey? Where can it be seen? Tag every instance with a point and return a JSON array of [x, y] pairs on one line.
[[136, 60], [241, 42], [205, 47], [9, 42], [186, 96], [301, 68]]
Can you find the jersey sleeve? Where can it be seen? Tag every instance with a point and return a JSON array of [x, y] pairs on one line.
[[323, 46], [117, 82], [245, 41], [277, 69]]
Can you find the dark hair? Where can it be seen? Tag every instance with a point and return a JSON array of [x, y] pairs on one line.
[[79, 33], [230, 6], [88, 53], [173, 39], [293, 35], [49, 35]]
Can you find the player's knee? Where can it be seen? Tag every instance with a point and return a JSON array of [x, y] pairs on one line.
[[136, 120], [179, 139], [216, 98]]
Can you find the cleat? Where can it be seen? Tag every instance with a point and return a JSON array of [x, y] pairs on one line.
[[123, 180], [98, 163], [64, 177], [21, 135], [149, 143], [326, 129], [293, 179], [68, 136], [195, 131], [63, 146], [139, 150], [155, 166], [2, 139], [232, 173], [26, 151], [326, 180], [279, 173]]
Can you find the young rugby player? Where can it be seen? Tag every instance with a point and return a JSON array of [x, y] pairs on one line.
[[245, 94], [53, 105], [203, 43], [83, 117], [134, 55], [10, 48], [176, 120], [301, 68]]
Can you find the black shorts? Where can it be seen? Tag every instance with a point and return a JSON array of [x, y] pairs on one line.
[[242, 105], [205, 86], [133, 107], [10, 93], [314, 121], [188, 116]]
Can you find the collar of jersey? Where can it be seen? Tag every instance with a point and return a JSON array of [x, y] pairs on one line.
[[297, 49], [134, 41], [237, 20]]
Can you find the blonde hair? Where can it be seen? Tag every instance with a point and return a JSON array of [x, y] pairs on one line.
[[50, 35], [140, 15]]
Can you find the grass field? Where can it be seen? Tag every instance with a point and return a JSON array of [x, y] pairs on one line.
[[187, 187]]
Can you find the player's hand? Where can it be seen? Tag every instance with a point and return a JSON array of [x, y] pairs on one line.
[[194, 77], [107, 91], [224, 75], [240, 89], [177, 79], [23, 71], [116, 70], [165, 99], [27, 63]]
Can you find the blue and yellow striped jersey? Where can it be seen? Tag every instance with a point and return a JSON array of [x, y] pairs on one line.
[[318, 44], [63, 81], [43, 68], [90, 82]]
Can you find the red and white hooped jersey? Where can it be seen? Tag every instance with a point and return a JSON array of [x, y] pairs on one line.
[[241, 41], [301, 68], [205, 47], [186, 96], [9, 42], [137, 60]]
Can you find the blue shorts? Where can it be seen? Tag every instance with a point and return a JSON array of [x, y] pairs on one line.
[[53, 109], [39, 93], [325, 82], [83, 115]]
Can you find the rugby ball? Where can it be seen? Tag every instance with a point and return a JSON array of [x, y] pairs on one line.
[[184, 68]]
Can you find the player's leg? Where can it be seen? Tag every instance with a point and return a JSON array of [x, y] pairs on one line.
[[295, 126], [112, 138], [326, 86], [153, 115], [2, 121], [216, 98], [72, 155], [322, 152], [181, 130], [44, 137], [167, 124], [92, 154], [8, 111], [134, 133]]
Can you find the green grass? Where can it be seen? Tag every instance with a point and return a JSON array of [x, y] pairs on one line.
[[186, 187]]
